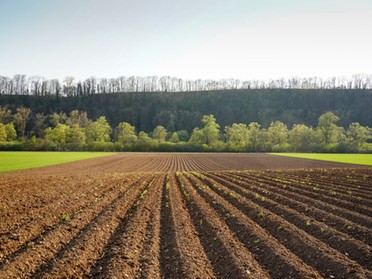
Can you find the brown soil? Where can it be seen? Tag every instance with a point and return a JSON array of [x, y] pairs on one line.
[[187, 216]]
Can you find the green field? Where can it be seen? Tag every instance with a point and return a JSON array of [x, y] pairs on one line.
[[359, 159], [12, 161]]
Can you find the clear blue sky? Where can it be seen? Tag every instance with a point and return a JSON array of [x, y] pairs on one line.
[[185, 38]]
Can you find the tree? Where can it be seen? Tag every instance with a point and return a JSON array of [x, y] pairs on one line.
[[5, 115], [77, 118], [254, 133], [301, 137], [357, 134], [75, 135], [126, 133], [11, 133], [3, 134], [58, 118], [183, 135], [174, 138], [55, 87], [327, 129], [197, 136], [340, 136], [69, 88], [98, 131], [144, 141], [159, 134], [211, 129], [237, 135], [39, 125], [57, 135], [278, 133], [20, 120]]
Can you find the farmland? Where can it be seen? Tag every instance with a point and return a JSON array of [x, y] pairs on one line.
[[187, 216]]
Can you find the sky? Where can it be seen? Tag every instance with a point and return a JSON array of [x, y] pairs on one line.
[[189, 39]]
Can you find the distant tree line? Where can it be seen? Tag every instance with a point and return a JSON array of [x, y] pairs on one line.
[[76, 131], [36, 85]]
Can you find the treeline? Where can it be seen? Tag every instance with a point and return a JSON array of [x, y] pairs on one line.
[[36, 85], [59, 131]]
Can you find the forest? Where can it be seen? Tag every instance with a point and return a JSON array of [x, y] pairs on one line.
[[184, 110], [76, 131]]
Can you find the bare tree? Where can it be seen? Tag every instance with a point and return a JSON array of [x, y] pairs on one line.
[[69, 88]]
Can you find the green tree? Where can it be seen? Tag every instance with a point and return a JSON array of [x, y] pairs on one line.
[[254, 134], [340, 135], [159, 134], [197, 136], [58, 118], [3, 134], [144, 141], [126, 133], [278, 133], [57, 135], [98, 131], [327, 129], [174, 138], [357, 134], [183, 135], [237, 136], [75, 135], [11, 133], [263, 140], [301, 137], [211, 129]]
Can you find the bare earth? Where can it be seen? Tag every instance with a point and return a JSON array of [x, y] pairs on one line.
[[187, 216]]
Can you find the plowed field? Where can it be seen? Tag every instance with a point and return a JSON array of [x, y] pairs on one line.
[[187, 216]]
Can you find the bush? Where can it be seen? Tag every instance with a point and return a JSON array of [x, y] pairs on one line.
[[366, 148], [100, 146], [12, 146]]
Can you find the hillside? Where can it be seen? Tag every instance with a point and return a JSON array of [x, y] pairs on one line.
[[183, 110]]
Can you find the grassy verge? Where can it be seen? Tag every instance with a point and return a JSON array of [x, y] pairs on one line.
[[12, 161], [359, 159]]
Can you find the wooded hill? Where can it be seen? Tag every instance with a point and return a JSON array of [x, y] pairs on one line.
[[184, 110]]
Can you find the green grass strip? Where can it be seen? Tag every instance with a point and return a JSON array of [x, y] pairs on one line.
[[12, 161], [359, 159]]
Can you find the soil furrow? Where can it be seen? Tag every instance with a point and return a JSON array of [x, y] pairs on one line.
[[227, 254], [343, 186], [48, 219], [315, 253], [170, 256], [338, 223], [40, 255], [273, 256], [150, 254], [120, 256], [298, 195], [325, 187], [329, 197], [194, 262], [356, 250]]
